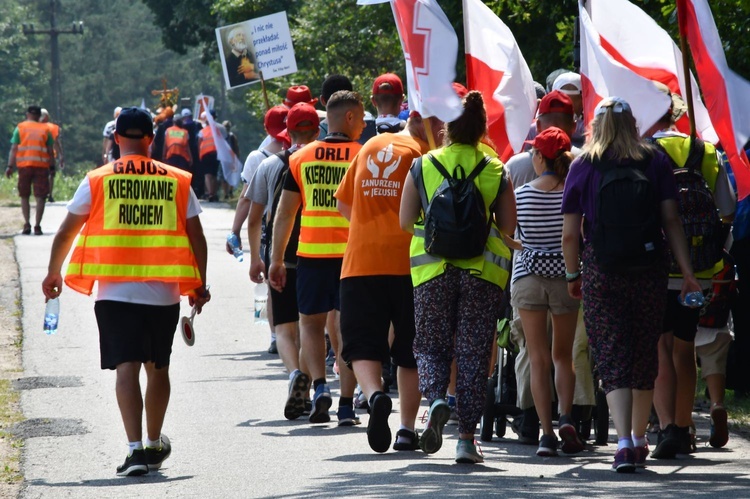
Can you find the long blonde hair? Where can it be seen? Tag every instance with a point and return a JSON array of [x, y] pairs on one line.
[[614, 131]]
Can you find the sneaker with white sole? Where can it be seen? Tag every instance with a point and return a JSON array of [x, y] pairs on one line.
[[547, 446], [155, 456], [467, 453], [295, 402], [432, 438], [322, 401], [347, 416], [135, 464]]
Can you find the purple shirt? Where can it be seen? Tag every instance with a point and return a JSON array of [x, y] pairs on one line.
[[582, 186]]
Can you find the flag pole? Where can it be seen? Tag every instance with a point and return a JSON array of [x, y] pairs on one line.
[[686, 70], [428, 129], [265, 92]]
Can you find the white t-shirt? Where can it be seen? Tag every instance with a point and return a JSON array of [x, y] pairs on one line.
[[254, 159], [147, 293]]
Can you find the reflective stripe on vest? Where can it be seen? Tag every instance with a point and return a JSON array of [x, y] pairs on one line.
[[318, 169], [494, 264], [678, 148], [176, 143], [32, 148], [136, 230], [207, 145]]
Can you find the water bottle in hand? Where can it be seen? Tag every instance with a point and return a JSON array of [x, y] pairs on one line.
[[261, 302], [694, 299], [51, 316], [234, 242]]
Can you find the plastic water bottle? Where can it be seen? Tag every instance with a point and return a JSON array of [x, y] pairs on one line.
[[694, 299], [261, 302], [51, 316], [234, 243]]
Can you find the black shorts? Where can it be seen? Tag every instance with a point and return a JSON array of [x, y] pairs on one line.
[[369, 304], [284, 304], [132, 332], [318, 285], [682, 321], [209, 165]]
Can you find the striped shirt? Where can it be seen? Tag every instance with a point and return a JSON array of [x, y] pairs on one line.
[[539, 223]]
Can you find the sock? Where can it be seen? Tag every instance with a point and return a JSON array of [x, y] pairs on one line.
[[624, 443], [403, 427], [134, 446], [154, 444], [373, 397], [451, 401], [318, 382], [346, 402], [293, 374], [639, 441]]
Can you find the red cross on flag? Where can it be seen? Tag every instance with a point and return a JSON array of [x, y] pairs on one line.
[[430, 48]]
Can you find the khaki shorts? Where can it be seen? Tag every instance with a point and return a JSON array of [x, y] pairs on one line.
[[713, 356], [532, 292], [38, 177]]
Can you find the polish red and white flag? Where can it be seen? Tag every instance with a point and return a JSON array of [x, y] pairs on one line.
[[727, 95], [496, 68], [430, 48], [636, 41], [602, 76]]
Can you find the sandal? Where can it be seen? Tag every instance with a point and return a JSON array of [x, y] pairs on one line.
[[26, 229]]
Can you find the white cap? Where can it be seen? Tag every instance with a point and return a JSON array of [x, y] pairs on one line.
[[186, 112], [117, 111], [573, 79]]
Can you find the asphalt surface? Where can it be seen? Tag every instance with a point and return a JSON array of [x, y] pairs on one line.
[[226, 424]]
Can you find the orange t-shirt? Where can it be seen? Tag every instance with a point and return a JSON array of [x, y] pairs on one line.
[[372, 187], [54, 129]]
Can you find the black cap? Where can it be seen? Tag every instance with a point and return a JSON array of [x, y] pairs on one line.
[[35, 110], [134, 118]]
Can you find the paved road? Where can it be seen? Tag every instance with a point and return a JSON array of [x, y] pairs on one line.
[[227, 429]]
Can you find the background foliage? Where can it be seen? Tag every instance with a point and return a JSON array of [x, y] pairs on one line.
[[129, 47]]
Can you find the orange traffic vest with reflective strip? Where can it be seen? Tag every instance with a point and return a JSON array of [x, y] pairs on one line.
[[176, 142], [32, 148], [318, 169], [207, 145], [136, 230]]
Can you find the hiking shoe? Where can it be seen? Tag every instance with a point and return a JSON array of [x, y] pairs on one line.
[[406, 440], [667, 443], [135, 464], [347, 417], [432, 437], [548, 446], [466, 452], [571, 443], [624, 461], [26, 229], [640, 455], [38, 230], [378, 431], [295, 402], [719, 430], [155, 456], [272, 348], [321, 403]]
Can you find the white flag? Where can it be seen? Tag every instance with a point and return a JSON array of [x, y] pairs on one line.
[[231, 166]]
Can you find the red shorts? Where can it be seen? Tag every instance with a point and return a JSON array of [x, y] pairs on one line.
[[38, 177]]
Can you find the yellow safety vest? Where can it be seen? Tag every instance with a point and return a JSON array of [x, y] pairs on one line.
[[493, 264]]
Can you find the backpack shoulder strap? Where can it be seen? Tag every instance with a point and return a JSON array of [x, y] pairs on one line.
[[416, 174], [478, 169], [439, 166], [695, 156], [284, 157]]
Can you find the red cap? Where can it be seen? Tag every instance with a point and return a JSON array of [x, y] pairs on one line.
[[556, 102], [460, 90], [300, 113], [274, 120], [388, 84], [299, 93], [550, 142]]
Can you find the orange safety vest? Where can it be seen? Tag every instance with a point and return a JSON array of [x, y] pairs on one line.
[[136, 230], [318, 169], [32, 149], [207, 145], [176, 142], [54, 129]]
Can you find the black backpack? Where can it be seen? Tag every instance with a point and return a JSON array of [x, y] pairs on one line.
[[627, 233], [290, 255], [455, 223], [700, 218]]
